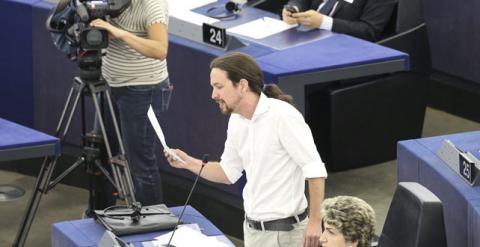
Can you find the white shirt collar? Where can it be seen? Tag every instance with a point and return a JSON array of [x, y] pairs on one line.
[[262, 106]]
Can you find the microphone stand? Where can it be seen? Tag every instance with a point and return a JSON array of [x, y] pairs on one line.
[[204, 162]]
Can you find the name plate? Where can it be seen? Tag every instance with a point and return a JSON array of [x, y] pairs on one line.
[[463, 163], [214, 35], [467, 168]]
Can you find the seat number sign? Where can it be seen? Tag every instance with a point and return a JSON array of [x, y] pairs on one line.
[[467, 169], [214, 35]]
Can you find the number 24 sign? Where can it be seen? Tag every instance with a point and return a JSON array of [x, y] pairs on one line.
[[214, 35]]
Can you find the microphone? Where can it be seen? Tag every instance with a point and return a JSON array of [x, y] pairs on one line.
[[82, 12], [204, 162]]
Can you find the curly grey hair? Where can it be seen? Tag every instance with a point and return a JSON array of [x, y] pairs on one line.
[[352, 216]]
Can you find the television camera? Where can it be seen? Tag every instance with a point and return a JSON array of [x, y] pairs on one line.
[[69, 25]]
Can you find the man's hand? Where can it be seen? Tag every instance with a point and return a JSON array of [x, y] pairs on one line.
[[287, 17], [212, 172], [313, 231], [181, 161], [309, 18], [114, 32]]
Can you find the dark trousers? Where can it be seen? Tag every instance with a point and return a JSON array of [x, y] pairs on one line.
[[131, 104]]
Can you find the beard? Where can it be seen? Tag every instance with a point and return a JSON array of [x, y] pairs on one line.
[[224, 108]]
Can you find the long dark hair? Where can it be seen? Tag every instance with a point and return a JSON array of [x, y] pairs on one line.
[[274, 91], [242, 66]]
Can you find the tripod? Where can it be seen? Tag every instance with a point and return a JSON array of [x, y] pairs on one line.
[[122, 180]]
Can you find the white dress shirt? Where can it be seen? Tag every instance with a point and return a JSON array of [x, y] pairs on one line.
[[327, 21], [276, 150]]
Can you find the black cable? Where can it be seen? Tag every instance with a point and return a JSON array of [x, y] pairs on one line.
[[204, 162]]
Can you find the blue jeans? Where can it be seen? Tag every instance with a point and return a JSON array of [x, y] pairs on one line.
[[131, 104]]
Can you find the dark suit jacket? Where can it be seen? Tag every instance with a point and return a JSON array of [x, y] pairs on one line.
[[365, 19]]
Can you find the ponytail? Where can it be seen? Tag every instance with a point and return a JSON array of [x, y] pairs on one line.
[[273, 91]]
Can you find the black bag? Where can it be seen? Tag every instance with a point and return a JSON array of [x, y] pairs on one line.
[[123, 220]]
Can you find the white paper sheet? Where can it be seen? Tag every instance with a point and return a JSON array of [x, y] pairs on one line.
[[187, 4], [194, 227], [260, 28], [187, 237], [158, 130]]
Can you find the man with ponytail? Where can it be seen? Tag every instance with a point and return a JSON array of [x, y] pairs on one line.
[[269, 140]]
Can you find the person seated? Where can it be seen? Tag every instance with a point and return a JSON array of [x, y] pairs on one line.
[[347, 222], [365, 19]]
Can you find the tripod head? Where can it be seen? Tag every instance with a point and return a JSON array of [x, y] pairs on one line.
[[90, 63]]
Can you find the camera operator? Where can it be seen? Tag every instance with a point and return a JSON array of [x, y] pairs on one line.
[[135, 68]]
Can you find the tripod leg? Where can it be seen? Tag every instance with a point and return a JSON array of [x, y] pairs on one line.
[[57, 180], [64, 111], [101, 183], [40, 188], [105, 138], [122, 177], [126, 171], [115, 123], [106, 173], [77, 87], [48, 165], [99, 197], [122, 174]]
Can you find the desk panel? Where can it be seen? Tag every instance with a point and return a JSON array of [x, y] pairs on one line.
[[313, 63], [247, 14], [86, 232], [19, 142], [334, 52], [418, 162], [474, 223]]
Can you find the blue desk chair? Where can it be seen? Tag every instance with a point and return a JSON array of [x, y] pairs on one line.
[[414, 219]]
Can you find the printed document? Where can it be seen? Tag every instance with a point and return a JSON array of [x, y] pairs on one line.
[[260, 28], [156, 126], [187, 237]]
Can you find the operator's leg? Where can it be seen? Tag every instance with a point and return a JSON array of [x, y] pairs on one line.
[[139, 138]]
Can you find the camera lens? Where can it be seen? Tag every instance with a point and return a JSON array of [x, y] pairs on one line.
[[94, 37]]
